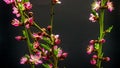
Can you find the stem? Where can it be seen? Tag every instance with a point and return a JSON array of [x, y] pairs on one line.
[[55, 59], [27, 35], [51, 16], [101, 22]]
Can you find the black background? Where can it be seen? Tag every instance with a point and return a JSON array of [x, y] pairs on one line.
[[71, 22]]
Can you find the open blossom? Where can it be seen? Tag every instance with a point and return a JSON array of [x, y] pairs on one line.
[[35, 59], [110, 6], [28, 5], [9, 1], [90, 49], [96, 5], [23, 60], [15, 11], [57, 40], [15, 22], [93, 17], [37, 36]]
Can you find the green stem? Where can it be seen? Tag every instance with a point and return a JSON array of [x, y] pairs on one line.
[[55, 62], [27, 35], [100, 53], [55, 59], [51, 16]]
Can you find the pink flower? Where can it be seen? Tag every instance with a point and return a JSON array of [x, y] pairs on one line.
[[102, 41], [15, 11], [56, 2], [59, 53], [27, 26], [15, 22], [37, 36], [28, 5], [19, 38], [63, 56], [36, 44], [106, 59], [18, 15], [30, 20], [35, 59], [93, 61], [92, 42], [23, 60], [50, 66], [49, 27], [93, 17], [19, 1], [110, 6], [9, 1], [96, 5], [55, 47], [90, 49], [95, 56], [57, 41]]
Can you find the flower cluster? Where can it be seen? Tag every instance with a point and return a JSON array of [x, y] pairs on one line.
[[94, 16], [42, 44], [93, 48]]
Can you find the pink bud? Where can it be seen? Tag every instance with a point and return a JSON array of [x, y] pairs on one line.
[[57, 41], [95, 56], [93, 61], [19, 38], [102, 41], [106, 59], [27, 5], [92, 42], [36, 44]]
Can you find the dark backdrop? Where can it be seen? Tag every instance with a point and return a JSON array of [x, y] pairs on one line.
[[71, 22]]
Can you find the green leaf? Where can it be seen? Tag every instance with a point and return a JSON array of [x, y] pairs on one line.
[[96, 46], [55, 52], [25, 0], [21, 7], [46, 65], [93, 12], [109, 29], [24, 33], [45, 46], [46, 39]]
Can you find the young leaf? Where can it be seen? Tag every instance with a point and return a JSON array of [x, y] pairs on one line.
[[109, 29], [47, 40], [24, 33], [26, 0], [96, 46], [46, 65], [45, 46]]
